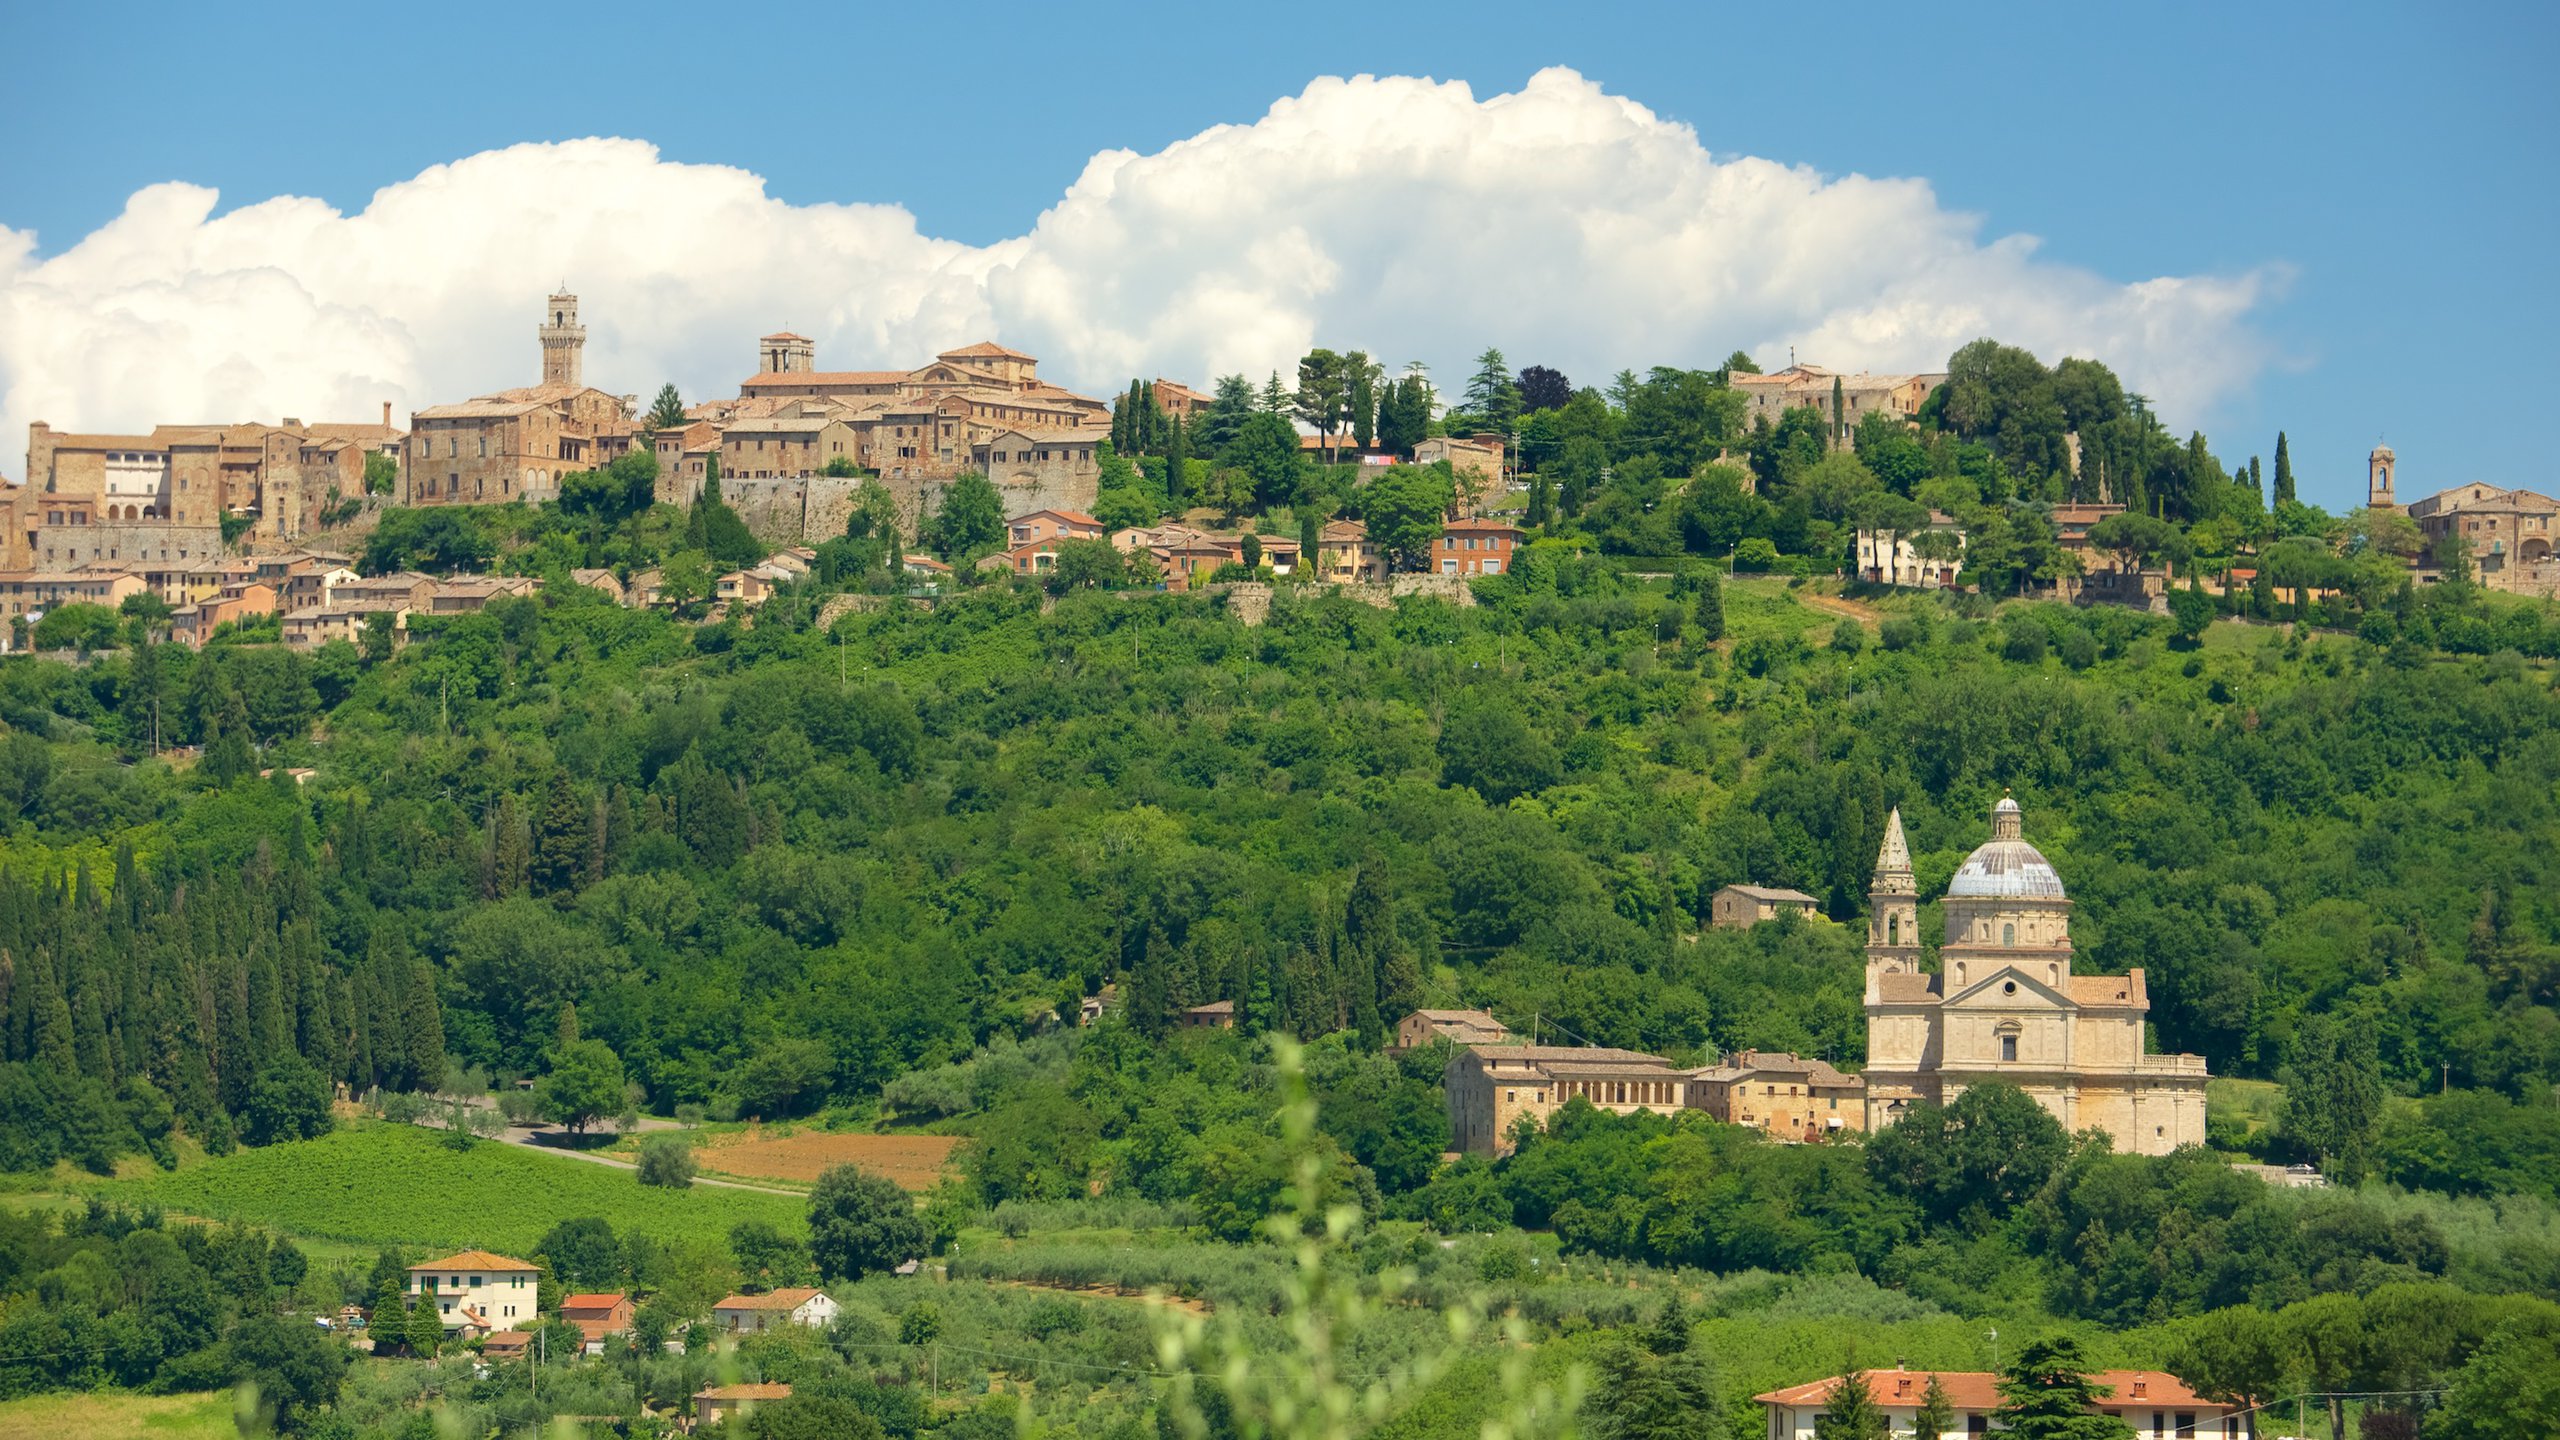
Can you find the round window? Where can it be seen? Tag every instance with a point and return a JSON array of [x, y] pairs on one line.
[[2008, 987]]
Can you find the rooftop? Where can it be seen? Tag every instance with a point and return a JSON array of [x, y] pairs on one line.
[[475, 1260]]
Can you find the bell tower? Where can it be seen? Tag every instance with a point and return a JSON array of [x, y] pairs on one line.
[[564, 341], [1893, 907], [2377, 478]]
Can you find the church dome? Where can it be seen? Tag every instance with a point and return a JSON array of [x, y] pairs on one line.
[[2006, 867]]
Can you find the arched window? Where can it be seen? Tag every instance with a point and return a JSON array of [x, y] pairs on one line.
[[2008, 934], [1893, 929]]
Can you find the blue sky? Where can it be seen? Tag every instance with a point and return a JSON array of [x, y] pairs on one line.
[[2388, 163]]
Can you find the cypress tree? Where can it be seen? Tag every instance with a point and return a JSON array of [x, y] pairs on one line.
[[2284, 470], [1839, 413], [1177, 486], [424, 1028], [426, 1328], [1275, 396], [2257, 480], [1937, 1414], [1850, 1412], [1711, 607], [561, 843]]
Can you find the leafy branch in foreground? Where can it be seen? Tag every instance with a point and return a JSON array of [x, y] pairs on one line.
[[1301, 1391]]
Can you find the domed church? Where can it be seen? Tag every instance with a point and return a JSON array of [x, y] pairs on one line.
[[2004, 1004]]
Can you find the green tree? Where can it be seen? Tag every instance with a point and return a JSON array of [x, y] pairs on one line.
[[388, 1325], [1936, 1415], [1850, 1412], [970, 520], [290, 1101], [666, 1160], [766, 1257], [426, 1328], [291, 1371], [1710, 610], [1987, 1152], [2510, 1387], [1404, 509], [584, 1085], [666, 412], [381, 473], [1488, 748], [861, 1224], [2190, 611], [2333, 1094], [2046, 1394], [1492, 395], [1323, 398], [2284, 471]]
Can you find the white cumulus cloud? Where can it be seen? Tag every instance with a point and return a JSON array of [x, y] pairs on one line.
[[1402, 216]]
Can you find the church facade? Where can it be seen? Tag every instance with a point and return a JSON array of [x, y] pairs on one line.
[[2004, 1005]]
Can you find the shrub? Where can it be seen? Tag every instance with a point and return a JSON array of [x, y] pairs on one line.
[[667, 1159]]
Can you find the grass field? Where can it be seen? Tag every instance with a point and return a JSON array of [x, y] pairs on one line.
[[117, 1417], [379, 1185]]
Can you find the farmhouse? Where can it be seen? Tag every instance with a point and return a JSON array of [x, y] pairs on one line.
[[599, 1317], [793, 1305], [1458, 1027], [477, 1289], [1739, 907]]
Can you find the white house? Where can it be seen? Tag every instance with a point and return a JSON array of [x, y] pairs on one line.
[[476, 1288], [795, 1305], [1888, 557]]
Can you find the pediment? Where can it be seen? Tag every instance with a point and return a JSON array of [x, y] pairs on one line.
[[1988, 993]]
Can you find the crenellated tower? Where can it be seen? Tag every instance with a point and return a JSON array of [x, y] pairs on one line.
[[1893, 907], [564, 342]]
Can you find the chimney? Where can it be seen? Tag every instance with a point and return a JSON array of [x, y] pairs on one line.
[[2141, 1388], [386, 414]]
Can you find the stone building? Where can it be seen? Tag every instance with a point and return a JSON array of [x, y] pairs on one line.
[[516, 444], [2510, 534], [1475, 547], [1458, 1027], [162, 496], [1787, 1096], [1489, 1088], [2379, 469], [1739, 907], [2005, 1006], [1810, 387], [1474, 461]]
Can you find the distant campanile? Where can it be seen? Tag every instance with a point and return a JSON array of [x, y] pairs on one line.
[[564, 342]]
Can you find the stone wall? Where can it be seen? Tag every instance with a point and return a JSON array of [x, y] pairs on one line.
[[793, 512], [60, 547]]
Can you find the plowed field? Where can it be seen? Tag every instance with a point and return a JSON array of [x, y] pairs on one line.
[[914, 1161]]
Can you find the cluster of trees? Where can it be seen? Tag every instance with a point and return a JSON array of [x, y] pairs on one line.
[[869, 849], [105, 1297]]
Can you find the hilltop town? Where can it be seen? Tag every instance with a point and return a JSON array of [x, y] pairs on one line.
[[869, 903], [1801, 471]]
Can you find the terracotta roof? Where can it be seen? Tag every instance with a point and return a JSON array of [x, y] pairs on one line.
[[2109, 989], [476, 1260], [1072, 517], [1482, 522], [984, 349], [1214, 1007], [776, 378], [756, 1390], [1979, 1389], [479, 410], [1343, 530], [782, 425], [782, 335], [601, 1300], [1586, 1054], [1763, 892], [506, 1340], [788, 1298], [1064, 435], [1907, 989]]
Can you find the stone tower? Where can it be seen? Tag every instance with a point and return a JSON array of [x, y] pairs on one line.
[[2377, 478], [1893, 907], [783, 353], [564, 340]]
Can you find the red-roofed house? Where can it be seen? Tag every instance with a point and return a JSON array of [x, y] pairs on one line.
[[476, 1289], [718, 1403], [598, 1316], [1053, 525], [2155, 1404], [1475, 546]]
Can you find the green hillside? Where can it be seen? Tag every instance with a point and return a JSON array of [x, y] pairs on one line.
[[399, 1185]]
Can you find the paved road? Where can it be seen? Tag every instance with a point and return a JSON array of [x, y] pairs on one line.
[[533, 1138]]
